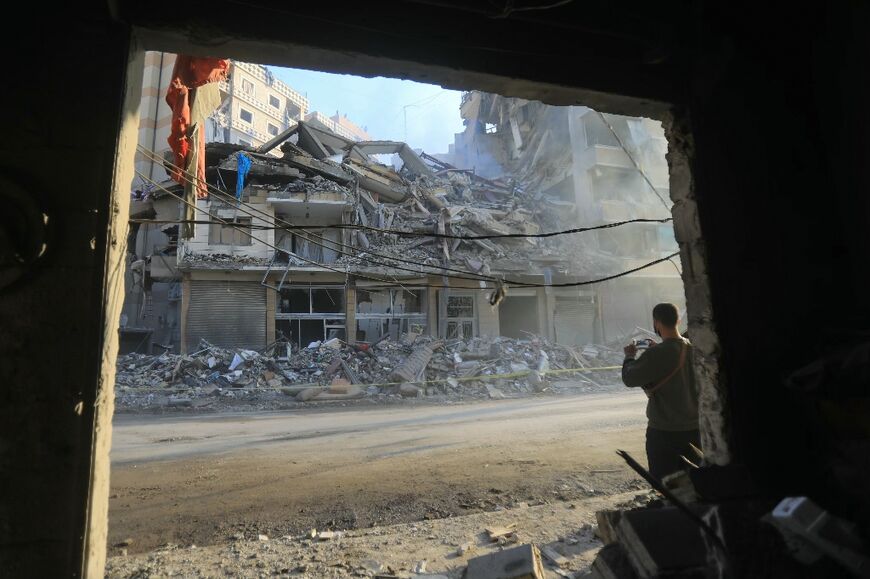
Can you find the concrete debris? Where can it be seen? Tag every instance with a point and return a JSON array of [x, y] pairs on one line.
[[410, 367], [496, 533], [523, 562], [424, 195], [555, 557]]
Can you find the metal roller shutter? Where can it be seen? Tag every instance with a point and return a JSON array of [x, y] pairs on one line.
[[575, 321], [228, 314]]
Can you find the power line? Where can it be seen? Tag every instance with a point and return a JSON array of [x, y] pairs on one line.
[[266, 243], [479, 278], [399, 232], [338, 247], [633, 161]]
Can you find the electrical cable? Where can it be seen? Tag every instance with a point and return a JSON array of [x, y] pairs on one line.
[[267, 244], [633, 161], [388, 282], [337, 246], [434, 234], [478, 278]]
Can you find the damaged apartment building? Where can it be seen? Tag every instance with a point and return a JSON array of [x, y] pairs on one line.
[[315, 234], [600, 168], [255, 106]]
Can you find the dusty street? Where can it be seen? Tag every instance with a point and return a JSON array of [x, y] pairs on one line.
[[204, 479]]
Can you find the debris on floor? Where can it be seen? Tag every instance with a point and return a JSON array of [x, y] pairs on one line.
[[699, 529], [523, 562], [421, 550]]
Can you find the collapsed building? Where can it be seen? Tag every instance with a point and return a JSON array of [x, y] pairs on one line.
[[327, 237], [599, 168]]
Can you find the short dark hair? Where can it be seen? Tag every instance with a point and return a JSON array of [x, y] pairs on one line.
[[668, 314]]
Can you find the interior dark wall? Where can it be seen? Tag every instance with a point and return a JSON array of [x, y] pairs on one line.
[[518, 314], [60, 122], [779, 117], [776, 102]]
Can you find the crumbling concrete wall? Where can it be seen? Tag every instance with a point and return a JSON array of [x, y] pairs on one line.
[[59, 147], [715, 428], [260, 241]]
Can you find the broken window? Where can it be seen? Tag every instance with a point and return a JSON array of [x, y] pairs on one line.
[[274, 101], [234, 232], [597, 132], [308, 314], [621, 185], [390, 312], [318, 245], [327, 300], [246, 116], [460, 317], [460, 306], [302, 332]]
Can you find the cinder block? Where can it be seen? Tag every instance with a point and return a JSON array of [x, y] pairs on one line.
[[523, 562]]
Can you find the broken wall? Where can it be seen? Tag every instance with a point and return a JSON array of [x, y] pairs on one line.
[[238, 244], [151, 302]]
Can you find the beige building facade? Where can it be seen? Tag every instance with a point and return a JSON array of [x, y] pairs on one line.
[[257, 107], [338, 124]]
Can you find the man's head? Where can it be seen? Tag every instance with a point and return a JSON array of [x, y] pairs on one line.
[[665, 318]]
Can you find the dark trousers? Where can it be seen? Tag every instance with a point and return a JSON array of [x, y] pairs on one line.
[[664, 447]]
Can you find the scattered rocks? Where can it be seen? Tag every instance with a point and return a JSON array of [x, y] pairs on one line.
[[480, 368]]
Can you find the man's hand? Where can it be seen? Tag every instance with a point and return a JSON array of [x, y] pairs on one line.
[[630, 351]]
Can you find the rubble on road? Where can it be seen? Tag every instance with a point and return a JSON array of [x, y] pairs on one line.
[[413, 367]]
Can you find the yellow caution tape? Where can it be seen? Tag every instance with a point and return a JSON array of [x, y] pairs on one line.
[[507, 376]]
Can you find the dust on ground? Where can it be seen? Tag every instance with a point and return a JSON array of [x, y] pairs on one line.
[[432, 549], [220, 480]]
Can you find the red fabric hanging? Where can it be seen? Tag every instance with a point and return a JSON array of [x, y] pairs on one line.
[[188, 73]]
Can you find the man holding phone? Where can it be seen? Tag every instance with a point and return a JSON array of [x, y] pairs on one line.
[[664, 372]]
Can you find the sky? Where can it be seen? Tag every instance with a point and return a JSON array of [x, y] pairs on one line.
[[380, 104]]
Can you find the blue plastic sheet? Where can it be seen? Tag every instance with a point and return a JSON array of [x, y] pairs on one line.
[[244, 168]]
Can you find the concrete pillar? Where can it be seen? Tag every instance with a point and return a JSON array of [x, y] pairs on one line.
[[350, 314], [550, 300], [271, 305], [541, 304], [185, 307], [432, 312], [442, 312]]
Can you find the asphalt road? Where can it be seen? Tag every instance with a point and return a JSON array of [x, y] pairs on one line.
[[202, 478]]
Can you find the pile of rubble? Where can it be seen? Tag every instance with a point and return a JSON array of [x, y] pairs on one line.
[[397, 207], [415, 366]]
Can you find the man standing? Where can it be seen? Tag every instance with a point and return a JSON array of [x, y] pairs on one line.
[[665, 374]]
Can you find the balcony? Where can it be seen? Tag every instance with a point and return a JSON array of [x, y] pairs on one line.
[[256, 103], [277, 85], [606, 156]]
